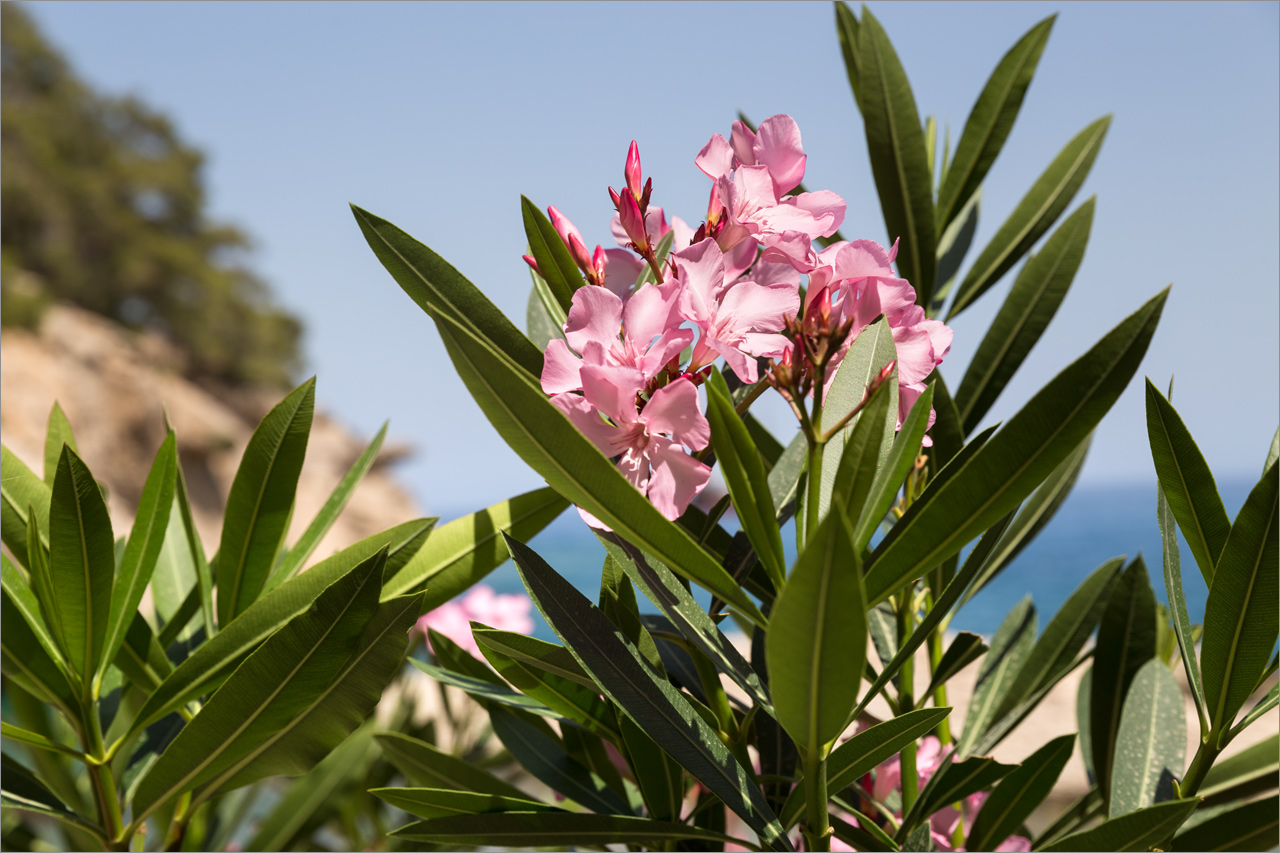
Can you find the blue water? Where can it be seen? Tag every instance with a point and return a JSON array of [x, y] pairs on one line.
[[1096, 523]]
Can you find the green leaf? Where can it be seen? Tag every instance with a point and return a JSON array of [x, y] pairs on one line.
[[308, 794], [550, 444], [462, 552], [548, 657], [21, 492], [214, 660], [1019, 794], [1252, 826], [1255, 764], [744, 474], [1034, 515], [899, 162], [545, 759], [82, 564], [964, 650], [427, 764], [195, 548], [953, 245], [1010, 648], [784, 477], [1265, 704], [860, 754], [867, 355], [664, 589], [1138, 830], [328, 514], [990, 120], [659, 778], [1128, 633], [1037, 292], [1274, 453], [1034, 215], [1064, 636], [893, 470], [261, 501], [145, 541], [26, 663], [442, 802], [555, 264], [38, 741], [1240, 617], [1150, 741], [42, 580], [565, 698], [952, 782], [860, 459], [338, 710], [24, 601], [58, 434], [485, 691], [1016, 459], [276, 684], [542, 324], [650, 701], [552, 829], [847, 28], [439, 289], [817, 642], [174, 578], [141, 658], [23, 791], [1187, 483]]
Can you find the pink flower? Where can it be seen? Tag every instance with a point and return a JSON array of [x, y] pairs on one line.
[[642, 333], [785, 227], [504, 612], [775, 145], [737, 318], [655, 225], [652, 462]]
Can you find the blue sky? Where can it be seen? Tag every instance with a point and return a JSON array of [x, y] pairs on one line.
[[438, 116]]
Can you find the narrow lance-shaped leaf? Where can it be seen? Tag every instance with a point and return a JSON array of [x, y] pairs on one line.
[[899, 163], [1140, 830], [990, 120], [953, 245], [442, 802], [1177, 598], [816, 646], [30, 639], [744, 473], [268, 690], [1187, 483], [328, 514], [1150, 741], [541, 325], [652, 703], [860, 458], [21, 492], [1009, 650], [1241, 615], [952, 782], [426, 764], [24, 792], [57, 434], [548, 657], [261, 501], [549, 442], [555, 264], [1016, 459], [1128, 633], [1019, 794], [893, 470], [553, 829], [1034, 215], [847, 27], [1252, 826], [1039, 289], [194, 547], [82, 563], [145, 541]]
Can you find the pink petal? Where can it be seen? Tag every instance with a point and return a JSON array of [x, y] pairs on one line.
[[584, 416], [612, 389], [701, 270], [673, 409], [737, 260], [677, 478], [560, 368], [764, 345], [768, 274], [777, 145], [621, 269], [667, 347], [684, 234], [743, 142], [826, 207], [739, 362], [650, 312], [715, 158], [915, 354], [751, 307], [594, 315]]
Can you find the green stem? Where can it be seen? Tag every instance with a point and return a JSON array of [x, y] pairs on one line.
[[812, 503], [1204, 758], [819, 826], [939, 694], [102, 782], [752, 396], [716, 697], [906, 703]]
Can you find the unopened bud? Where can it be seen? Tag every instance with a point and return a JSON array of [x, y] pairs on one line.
[[563, 226], [616, 199], [578, 251], [632, 171], [644, 196], [528, 259], [633, 221], [884, 374], [715, 208]]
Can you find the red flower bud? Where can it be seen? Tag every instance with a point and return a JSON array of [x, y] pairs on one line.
[[633, 221], [532, 263], [632, 171]]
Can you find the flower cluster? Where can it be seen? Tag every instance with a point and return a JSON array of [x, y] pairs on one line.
[[504, 612], [627, 368]]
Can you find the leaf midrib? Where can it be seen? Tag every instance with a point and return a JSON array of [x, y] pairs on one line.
[[1191, 504], [899, 168]]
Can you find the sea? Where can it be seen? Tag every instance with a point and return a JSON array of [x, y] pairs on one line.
[[1097, 522]]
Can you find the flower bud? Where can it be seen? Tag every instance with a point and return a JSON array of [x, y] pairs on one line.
[[578, 251], [632, 172], [528, 259], [598, 265], [563, 226], [633, 221]]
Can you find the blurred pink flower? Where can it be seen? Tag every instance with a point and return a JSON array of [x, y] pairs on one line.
[[503, 612]]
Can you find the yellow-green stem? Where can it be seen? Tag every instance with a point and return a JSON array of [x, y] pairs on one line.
[[940, 693], [716, 697], [819, 825]]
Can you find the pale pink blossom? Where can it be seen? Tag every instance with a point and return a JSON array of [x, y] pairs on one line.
[[641, 333], [775, 144], [737, 318], [481, 604], [785, 227], [647, 442], [655, 224]]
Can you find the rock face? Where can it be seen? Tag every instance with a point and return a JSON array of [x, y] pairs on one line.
[[115, 386]]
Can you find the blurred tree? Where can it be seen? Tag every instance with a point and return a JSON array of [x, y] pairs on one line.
[[102, 204]]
